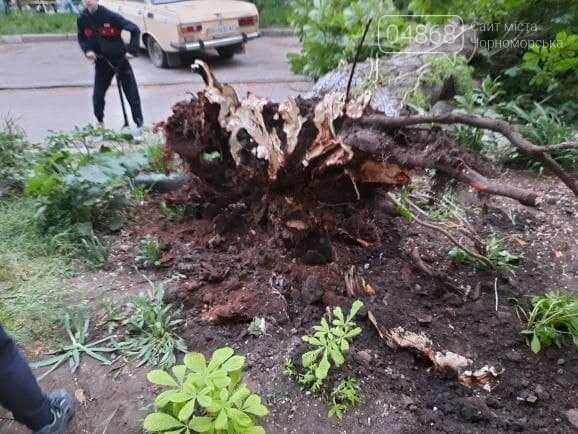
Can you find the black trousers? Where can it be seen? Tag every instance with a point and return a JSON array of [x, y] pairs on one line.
[[103, 73], [19, 391]]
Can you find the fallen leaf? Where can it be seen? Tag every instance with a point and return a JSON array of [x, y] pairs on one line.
[[520, 242], [558, 253]]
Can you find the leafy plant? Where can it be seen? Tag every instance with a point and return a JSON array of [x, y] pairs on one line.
[[172, 213], [13, 152], [205, 397], [76, 326], [114, 316], [331, 343], [554, 67], [94, 252], [138, 193], [494, 251], [86, 189], [289, 368], [257, 327], [552, 320], [344, 395], [330, 30], [542, 126], [150, 252], [438, 71], [157, 159], [152, 329]]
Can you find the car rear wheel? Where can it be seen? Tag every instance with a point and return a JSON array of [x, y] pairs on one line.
[[156, 53], [227, 52]]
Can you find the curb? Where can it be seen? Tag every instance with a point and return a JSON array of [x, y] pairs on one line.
[[87, 84], [54, 37]]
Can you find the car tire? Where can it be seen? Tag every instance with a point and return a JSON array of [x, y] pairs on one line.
[[157, 55], [227, 52]]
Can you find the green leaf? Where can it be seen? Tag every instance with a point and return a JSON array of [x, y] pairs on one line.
[[201, 423], [159, 422], [164, 398], [233, 364], [179, 372], [253, 405], [337, 357], [254, 430], [161, 378], [239, 418], [219, 357], [309, 357], [535, 345], [195, 362], [355, 307], [180, 397], [187, 410], [221, 420], [323, 368], [240, 394]]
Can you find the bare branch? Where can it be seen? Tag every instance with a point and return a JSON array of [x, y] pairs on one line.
[[540, 153]]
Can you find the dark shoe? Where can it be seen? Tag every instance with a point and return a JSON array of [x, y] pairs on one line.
[[62, 408]]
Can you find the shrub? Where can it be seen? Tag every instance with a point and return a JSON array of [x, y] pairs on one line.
[[330, 30], [203, 397], [72, 189]]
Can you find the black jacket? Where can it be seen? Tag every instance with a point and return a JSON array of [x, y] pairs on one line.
[[100, 32]]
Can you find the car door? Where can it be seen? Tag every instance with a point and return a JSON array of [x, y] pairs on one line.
[[132, 10]]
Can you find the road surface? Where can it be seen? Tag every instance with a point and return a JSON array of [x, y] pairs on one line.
[[48, 86]]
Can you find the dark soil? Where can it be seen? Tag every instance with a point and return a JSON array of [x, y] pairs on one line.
[[227, 279]]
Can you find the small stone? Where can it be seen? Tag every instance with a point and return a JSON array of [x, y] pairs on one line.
[[572, 416], [514, 356], [366, 266], [493, 402], [405, 401], [541, 392], [362, 357], [504, 316], [425, 319], [560, 362], [532, 399], [524, 382], [412, 407]]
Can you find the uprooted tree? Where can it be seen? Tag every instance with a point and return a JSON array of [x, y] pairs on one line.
[[301, 166]]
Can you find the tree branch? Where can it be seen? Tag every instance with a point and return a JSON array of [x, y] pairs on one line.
[[499, 126]]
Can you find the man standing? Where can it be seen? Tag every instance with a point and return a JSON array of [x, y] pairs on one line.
[[19, 393], [99, 37]]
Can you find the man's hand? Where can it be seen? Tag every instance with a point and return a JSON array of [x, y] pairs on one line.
[[128, 56], [91, 55]]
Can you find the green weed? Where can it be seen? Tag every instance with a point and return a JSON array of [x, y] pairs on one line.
[[494, 250], [152, 330], [345, 394], [552, 320], [150, 252], [76, 326], [205, 397]]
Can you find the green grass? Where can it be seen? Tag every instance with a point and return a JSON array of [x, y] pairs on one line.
[[37, 23], [30, 271], [273, 13]]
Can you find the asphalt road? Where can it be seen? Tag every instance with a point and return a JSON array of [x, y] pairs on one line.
[[48, 86]]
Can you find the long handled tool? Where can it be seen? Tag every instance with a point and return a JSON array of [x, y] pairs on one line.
[[116, 74]]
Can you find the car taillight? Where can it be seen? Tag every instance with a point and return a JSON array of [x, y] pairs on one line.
[[191, 28], [247, 21]]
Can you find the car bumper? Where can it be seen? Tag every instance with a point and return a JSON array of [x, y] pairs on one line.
[[214, 43]]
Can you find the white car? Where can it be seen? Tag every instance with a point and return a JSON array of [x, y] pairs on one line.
[[172, 27]]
